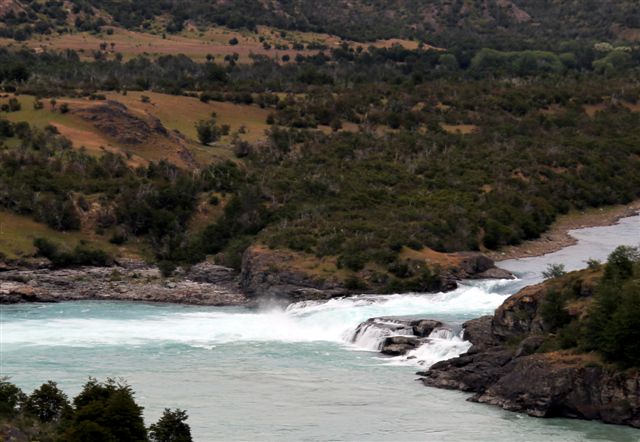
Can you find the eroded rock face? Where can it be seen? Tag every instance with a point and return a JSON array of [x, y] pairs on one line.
[[474, 265], [279, 274], [545, 385], [116, 121], [479, 333], [468, 372], [400, 345], [518, 315], [206, 284], [271, 274], [539, 384]]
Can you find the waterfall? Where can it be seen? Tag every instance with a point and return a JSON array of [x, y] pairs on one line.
[[370, 335], [442, 344]]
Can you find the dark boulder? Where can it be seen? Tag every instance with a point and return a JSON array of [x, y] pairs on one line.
[[400, 345]]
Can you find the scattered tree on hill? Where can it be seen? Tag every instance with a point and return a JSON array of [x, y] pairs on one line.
[[554, 271]]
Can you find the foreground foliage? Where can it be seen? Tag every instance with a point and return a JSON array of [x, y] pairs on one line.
[[608, 321], [101, 412]]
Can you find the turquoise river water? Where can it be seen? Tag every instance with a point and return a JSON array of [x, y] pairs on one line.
[[293, 374]]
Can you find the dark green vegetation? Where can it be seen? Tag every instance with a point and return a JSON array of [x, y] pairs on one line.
[[598, 309], [530, 110], [361, 193], [507, 23], [101, 412], [44, 178], [530, 152]]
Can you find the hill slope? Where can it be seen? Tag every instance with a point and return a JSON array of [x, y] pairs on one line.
[[496, 23]]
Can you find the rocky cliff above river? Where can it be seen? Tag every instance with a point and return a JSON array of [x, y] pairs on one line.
[[508, 367]]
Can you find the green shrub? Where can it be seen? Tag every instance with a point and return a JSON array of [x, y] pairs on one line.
[[81, 255], [553, 311], [554, 271], [48, 403]]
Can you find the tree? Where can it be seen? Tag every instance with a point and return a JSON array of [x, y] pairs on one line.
[[207, 131], [48, 403], [621, 261], [14, 105], [553, 311], [106, 412], [449, 62], [233, 41], [624, 328], [171, 427], [11, 398]]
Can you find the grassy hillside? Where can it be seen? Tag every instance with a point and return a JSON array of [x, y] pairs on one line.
[[491, 21], [494, 23], [177, 113], [325, 130], [17, 234]]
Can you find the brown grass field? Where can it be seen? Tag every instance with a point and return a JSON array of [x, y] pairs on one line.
[[193, 42], [463, 129]]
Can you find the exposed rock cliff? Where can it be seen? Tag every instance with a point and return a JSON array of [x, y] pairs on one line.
[[294, 276], [504, 368], [204, 284], [276, 274]]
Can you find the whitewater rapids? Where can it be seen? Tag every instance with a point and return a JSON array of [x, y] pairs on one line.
[[331, 321]]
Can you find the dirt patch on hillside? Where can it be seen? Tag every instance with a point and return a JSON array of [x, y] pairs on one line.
[[142, 132], [96, 144], [9, 5], [117, 122], [463, 129]]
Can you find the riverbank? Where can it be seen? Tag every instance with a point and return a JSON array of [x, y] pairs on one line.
[[266, 276], [203, 284], [518, 362], [558, 236]]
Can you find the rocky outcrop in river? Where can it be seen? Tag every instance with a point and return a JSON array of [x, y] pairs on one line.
[[394, 336], [504, 368]]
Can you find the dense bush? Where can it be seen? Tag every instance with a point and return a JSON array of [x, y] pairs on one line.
[[613, 327], [81, 255], [101, 412], [171, 427], [605, 312]]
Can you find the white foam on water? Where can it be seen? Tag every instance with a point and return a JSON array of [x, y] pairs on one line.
[[329, 321], [442, 344], [370, 336]]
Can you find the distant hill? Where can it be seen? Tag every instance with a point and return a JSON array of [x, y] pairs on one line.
[[496, 23]]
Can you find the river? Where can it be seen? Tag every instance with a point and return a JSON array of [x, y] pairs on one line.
[[291, 374]]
